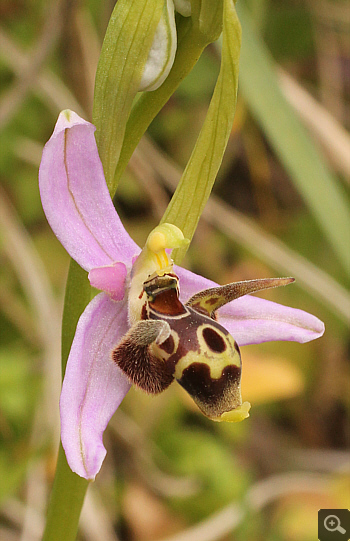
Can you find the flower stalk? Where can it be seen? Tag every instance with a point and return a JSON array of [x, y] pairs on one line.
[[144, 300], [146, 305], [199, 176], [68, 490]]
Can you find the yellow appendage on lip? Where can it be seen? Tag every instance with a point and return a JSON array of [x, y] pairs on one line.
[[235, 416]]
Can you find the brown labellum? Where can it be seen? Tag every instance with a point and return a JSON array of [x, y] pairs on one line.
[[184, 342]]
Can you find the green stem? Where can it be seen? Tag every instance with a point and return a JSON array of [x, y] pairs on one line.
[[68, 489], [66, 502]]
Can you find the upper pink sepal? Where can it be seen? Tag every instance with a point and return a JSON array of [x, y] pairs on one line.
[[67, 119], [76, 200], [110, 279]]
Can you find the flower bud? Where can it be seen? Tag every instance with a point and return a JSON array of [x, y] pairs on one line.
[[162, 53]]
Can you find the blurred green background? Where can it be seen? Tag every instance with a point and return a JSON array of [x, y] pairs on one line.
[[279, 208]]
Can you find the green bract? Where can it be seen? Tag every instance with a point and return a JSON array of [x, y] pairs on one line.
[[199, 176], [194, 34], [125, 50], [183, 7], [207, 17]]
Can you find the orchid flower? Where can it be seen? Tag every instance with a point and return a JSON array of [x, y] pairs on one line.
[[119, 338]]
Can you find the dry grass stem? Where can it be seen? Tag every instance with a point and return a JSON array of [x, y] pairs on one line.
[[326, 460], [36, 496], [144, 450], [95, 522], [259, 495], [146, 175], [15, 95], [90, 48], [52, 90], [31, 273], [334, 138], [331, 25], [18, 314]]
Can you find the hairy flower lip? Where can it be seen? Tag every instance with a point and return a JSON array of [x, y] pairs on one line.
[[79, 209]]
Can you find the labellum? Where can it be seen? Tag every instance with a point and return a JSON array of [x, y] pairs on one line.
[[184, 342]]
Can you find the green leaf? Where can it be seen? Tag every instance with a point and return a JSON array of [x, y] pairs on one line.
[[295, 148], [124, 54], [194, 189]]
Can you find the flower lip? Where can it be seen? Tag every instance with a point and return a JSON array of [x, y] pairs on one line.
[[252, 320]]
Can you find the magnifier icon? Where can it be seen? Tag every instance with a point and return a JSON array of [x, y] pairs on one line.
[[332, 524]]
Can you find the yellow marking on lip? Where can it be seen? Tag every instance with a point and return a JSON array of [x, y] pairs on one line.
[[216, 362]]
